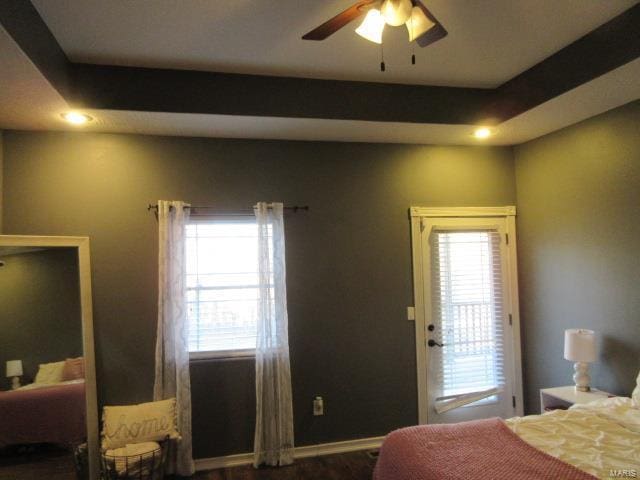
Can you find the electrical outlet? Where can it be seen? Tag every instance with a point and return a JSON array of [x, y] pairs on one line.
[[318, 406]]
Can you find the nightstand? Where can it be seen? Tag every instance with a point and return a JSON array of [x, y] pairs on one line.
[[564, 397]]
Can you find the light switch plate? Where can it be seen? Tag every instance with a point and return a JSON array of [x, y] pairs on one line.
[[411, 313]]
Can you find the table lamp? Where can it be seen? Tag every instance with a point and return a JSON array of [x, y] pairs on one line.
[[580, 347], [14, 369]]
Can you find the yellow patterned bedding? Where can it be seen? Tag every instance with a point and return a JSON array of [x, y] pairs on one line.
[[601, 438]]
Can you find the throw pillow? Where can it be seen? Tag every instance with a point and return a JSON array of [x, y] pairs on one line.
[[73, 369], [50, 372], [145, 422]]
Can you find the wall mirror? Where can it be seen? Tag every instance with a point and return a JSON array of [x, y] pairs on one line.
[[48, 407]]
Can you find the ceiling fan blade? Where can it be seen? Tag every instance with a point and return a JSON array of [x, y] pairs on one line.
[[336, 23], [435, 33]]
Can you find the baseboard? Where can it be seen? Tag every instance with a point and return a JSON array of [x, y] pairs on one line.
[[299, 452], [338, 447], [223, 462]]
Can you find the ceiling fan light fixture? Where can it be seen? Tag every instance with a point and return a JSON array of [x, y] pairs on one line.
[[396, 12], [372, 26], [418, 23]]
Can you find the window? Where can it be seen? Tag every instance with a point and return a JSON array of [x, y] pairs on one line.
[[222, 286], [467, 299]]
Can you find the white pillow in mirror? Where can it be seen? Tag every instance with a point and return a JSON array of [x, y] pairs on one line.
[[635, 396], [50, 372]]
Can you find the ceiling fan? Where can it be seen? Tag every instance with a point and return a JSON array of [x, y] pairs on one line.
[[423, 27]]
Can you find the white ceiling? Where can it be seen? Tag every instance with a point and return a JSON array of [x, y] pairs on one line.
[[489, 42]]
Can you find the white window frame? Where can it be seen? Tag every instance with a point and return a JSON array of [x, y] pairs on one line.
[[221, 354], [417, 214]]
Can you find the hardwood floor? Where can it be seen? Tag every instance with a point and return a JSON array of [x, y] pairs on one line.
[[346, 466], [44, 463]]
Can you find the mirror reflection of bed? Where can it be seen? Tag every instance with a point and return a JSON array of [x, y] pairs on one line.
[[41, 353]]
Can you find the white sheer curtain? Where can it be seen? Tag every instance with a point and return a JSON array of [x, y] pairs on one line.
[[172, 352], [273, 443]]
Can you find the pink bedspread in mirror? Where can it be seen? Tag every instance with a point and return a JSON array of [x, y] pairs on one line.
[[52, 414]]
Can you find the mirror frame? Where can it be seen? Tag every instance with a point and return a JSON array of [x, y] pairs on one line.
[[86, 310]]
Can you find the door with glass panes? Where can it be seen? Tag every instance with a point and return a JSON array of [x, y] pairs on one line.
[[468, 322]]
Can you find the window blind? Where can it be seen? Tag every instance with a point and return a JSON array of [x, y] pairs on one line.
[[467, 308], [222, 285]]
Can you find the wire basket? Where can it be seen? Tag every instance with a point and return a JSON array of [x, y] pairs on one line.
[[81, 461], [146, 466]]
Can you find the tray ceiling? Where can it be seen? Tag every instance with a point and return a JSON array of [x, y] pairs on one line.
[[490, 41], [566, 79]]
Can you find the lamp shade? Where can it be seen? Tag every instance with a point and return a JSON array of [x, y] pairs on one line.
[[14, 368], [580, 345], [395, 12], [372, 26], [418, 23]]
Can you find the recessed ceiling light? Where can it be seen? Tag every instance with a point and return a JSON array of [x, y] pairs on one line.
[[482, 133], [76, 118]]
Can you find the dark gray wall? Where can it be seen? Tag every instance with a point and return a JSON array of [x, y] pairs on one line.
[[348, 260], [39, 309], [579, 249], [1, 173]]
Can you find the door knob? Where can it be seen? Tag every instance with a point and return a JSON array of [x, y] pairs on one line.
[[433, 343], [431, 327]]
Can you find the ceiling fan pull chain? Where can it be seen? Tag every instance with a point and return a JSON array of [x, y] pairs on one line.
[[413, 53], [413, 43], [382, 66]]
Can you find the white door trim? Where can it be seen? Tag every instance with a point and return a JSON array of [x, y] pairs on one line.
[[420, 325], [514, 303], [417, 214], [506, 211]]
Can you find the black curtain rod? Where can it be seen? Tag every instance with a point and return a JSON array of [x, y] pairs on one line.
[[216, 211]]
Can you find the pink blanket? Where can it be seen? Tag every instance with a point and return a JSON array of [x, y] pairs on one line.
[[478, 450], [54, 414]]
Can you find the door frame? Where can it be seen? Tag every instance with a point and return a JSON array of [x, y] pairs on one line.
[[421, 304]]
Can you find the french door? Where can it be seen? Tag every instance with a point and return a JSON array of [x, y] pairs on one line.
[[467, 323]]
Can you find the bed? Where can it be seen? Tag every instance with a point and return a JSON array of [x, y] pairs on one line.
[[44, 413], [596, 440]]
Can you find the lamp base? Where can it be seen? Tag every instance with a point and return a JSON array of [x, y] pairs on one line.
[[581, 377], [15, 383]]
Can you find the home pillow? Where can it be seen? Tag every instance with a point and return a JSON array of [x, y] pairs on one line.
[[635, 396], [50, 372], [73, 369], [145, 422]]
